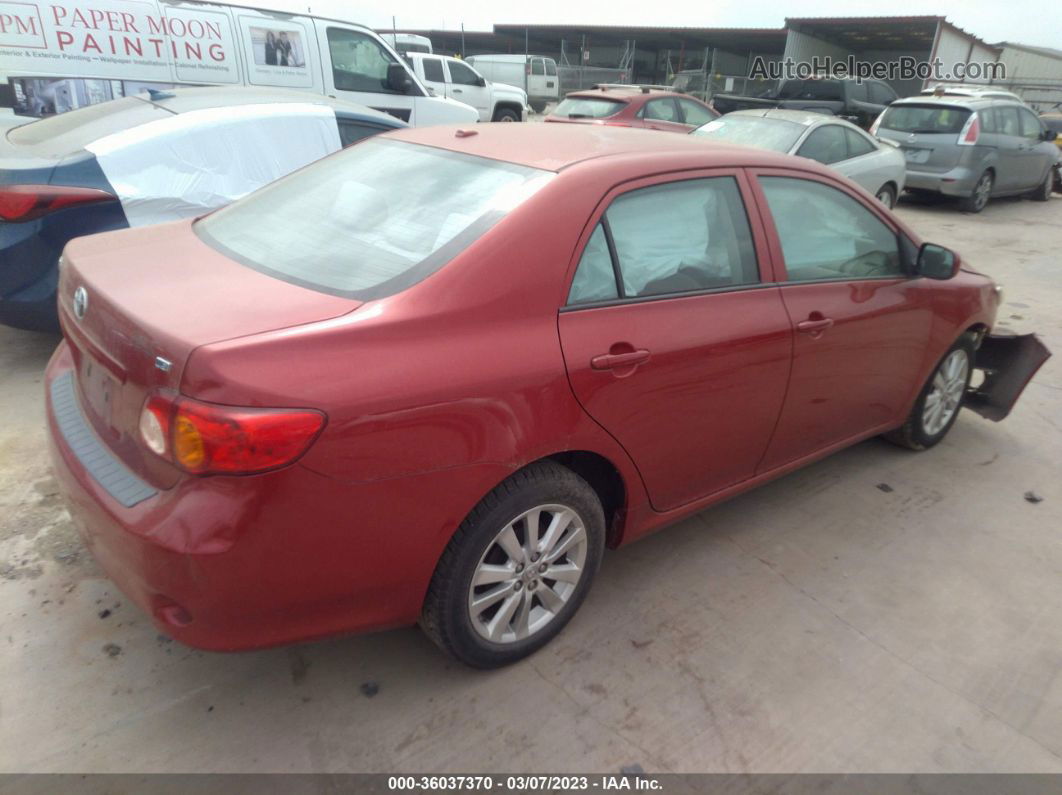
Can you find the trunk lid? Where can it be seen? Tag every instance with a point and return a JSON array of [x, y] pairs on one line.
[[135, 304]]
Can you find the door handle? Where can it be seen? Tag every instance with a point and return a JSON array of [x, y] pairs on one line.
[[617, 361], [459, 91], [815, 326]]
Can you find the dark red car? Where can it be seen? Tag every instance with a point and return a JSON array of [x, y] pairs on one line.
[[633, 106], [432, 377]]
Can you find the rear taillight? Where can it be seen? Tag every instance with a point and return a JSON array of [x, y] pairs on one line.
[[26, 202], [208, 439], [970, 131]]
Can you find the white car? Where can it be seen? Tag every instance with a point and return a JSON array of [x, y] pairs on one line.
[[454, 79], [877, 166]]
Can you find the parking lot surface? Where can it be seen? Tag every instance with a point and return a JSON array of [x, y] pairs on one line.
[[880, 611]]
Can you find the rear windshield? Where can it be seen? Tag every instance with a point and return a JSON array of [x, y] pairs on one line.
[[924, 119], [777, 134], [75, 129], [371, 220], [587, 107]]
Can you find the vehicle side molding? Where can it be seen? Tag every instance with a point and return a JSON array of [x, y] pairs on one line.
[[1008, 362]]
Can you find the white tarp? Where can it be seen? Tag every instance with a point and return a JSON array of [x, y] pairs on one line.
[[197, 161]]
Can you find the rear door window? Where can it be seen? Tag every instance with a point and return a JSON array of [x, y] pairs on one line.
[[678, 237], [537, 66], [694, 113], [661, 110], [433, 71]]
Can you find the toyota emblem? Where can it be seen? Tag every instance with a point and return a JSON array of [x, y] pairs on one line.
[[80, 302]]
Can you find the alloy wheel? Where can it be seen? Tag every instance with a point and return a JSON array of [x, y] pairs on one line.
[[982, 191], [528, 573], [945, 396]]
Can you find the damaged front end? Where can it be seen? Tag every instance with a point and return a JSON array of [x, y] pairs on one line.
[[1008, 363]]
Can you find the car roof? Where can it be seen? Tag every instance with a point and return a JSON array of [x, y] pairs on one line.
[[806, 118], [959, 101], [555, 147]]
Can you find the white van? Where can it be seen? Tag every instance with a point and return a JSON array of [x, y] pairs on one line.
[[60, 56], [406, 43], [535, 74]]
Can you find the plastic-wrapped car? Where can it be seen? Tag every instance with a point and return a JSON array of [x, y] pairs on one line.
[[149, 159]]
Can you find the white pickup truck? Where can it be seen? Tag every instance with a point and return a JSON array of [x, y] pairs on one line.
[[454, 79]]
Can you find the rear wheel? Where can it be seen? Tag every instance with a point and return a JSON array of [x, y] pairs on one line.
[[887, 195], [538, 107], [982, 192], [517, 569], [506, 114], [938, 404], [1043, 193]]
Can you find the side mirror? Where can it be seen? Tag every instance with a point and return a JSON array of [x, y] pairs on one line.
[[937, 262], [482, 82], [1050, 135], [398, 79]]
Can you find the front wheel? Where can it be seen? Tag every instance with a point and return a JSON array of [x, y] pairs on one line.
[[517, 568], [537, 107], [939, 402], [978, 199], [506, 114]]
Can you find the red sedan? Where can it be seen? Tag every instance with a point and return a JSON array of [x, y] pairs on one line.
[[633, 106], [430, 378]]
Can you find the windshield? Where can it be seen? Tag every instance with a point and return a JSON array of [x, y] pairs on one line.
[[924, 119], [776, 134], [587, 107], [371, 220]]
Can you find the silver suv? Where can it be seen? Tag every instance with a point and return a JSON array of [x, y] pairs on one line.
[[971, 147]]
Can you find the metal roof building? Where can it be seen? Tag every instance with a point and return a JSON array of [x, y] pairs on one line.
[[726, 55]]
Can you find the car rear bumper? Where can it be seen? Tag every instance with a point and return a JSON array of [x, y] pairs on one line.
[[958, 181], [229, 563]]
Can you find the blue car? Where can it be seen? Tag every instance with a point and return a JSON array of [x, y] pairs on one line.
[[148, 159]]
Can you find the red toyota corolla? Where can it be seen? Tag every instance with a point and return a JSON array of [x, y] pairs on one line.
[[432, 377], [647, 107]]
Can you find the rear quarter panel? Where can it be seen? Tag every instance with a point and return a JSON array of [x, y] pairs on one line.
[[462, 369]]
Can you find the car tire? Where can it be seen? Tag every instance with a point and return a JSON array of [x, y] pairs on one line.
[[982, 192], [506, 114], [886, 195], [486, 605], [537, 107], [939, 402], [1047, 187]]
